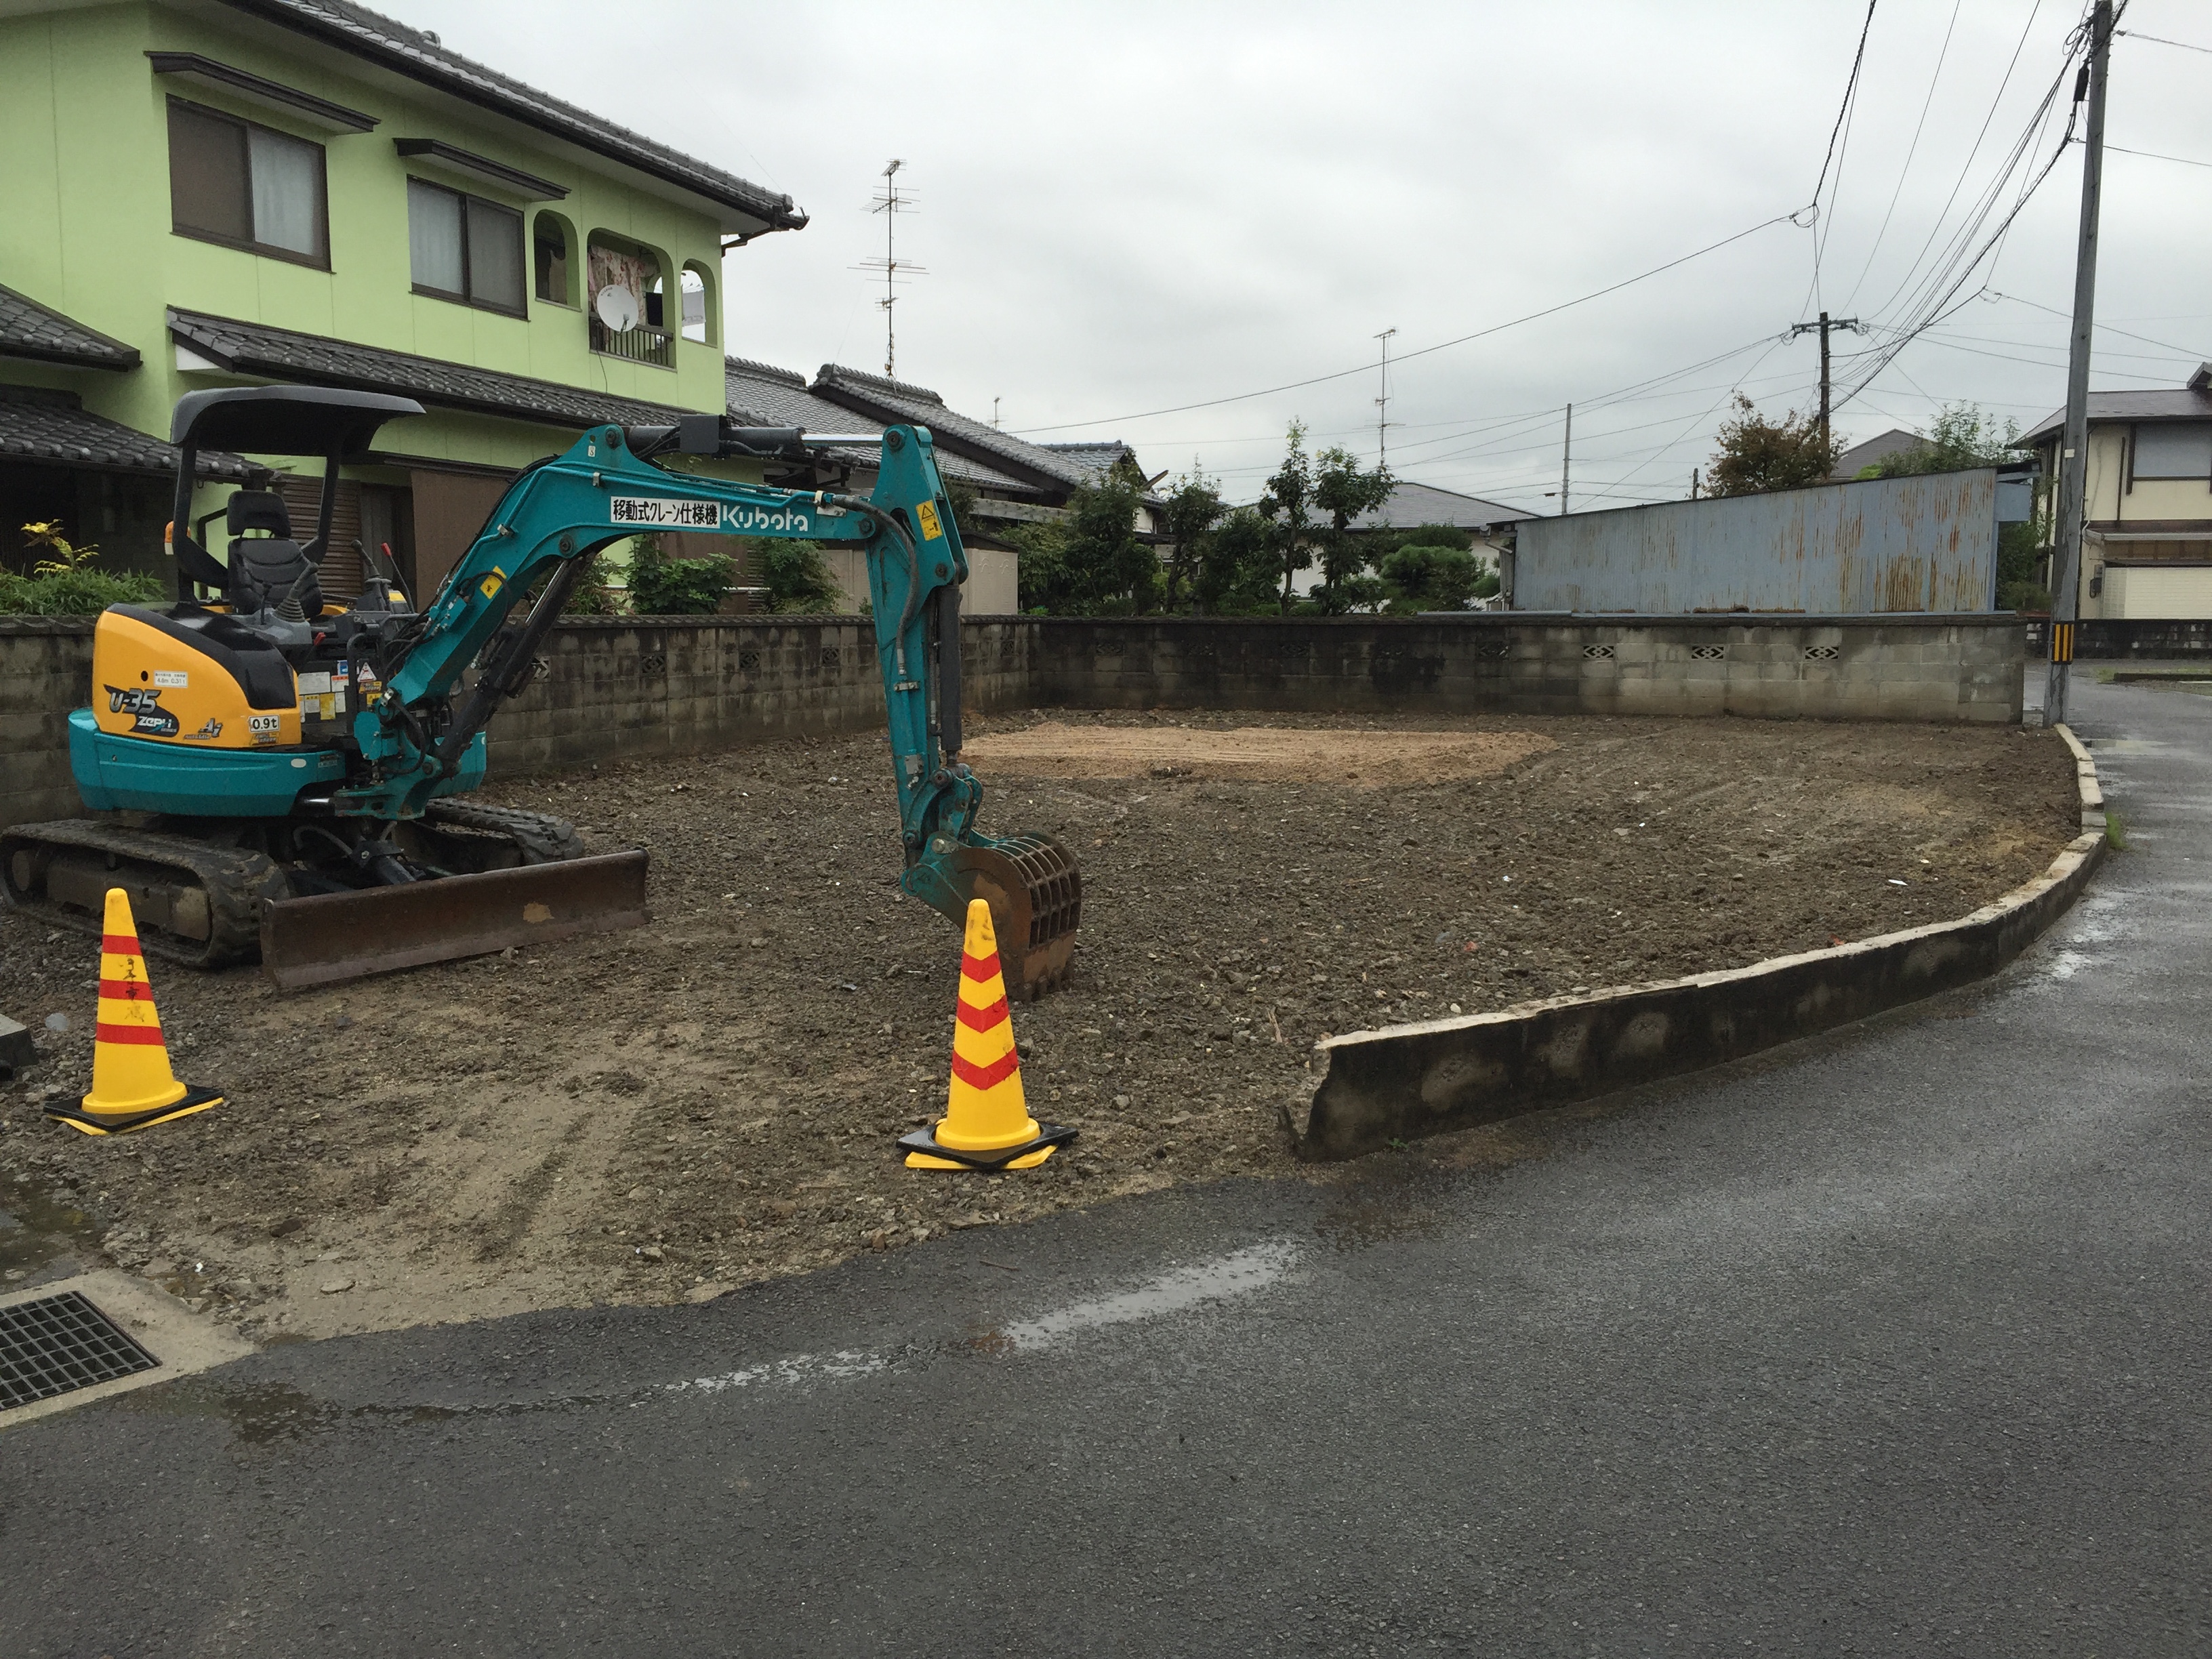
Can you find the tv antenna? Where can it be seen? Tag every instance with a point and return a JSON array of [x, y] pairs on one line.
[[890, 202], [1382, 403]]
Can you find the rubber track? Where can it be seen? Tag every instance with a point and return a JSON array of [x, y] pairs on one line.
[[543, 838], [236, 882]]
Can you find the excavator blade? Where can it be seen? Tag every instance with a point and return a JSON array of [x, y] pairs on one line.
[[340, 936], [1035, 895]]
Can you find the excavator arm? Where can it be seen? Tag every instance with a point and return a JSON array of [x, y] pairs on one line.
[[610, 485]]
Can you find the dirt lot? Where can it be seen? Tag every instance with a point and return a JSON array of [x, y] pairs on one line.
[[711, 1099]]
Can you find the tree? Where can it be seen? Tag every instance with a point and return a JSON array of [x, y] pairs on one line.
[[1345, 490], [1092, 562], [1287, 504], [1433, 577], [1194, 507], [1757, 454], [1961, 435], [1236, 570]]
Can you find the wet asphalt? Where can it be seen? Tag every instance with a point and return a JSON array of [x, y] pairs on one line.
[[1891, 1343]]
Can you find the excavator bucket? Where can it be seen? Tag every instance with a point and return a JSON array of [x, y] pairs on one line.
[[338, 936], [1035, 895]]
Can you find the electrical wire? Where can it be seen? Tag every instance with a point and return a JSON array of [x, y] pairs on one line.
[[2154, 156], [2133, 35], [1912, 150], [2186, 351], [1441, 345]]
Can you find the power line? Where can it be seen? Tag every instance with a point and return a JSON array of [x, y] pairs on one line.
[[2154, 156], [2186, 351], [1912, 150], [2133, 35], [1442, 345]]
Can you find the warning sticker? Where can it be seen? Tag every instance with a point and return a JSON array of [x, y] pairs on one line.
[[931, 529], [673, 515]]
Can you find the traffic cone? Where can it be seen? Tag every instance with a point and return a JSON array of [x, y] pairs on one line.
[[132, 1084], [987, 1125]]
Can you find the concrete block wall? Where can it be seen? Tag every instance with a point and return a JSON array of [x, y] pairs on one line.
[[663, 686], [45, 671]]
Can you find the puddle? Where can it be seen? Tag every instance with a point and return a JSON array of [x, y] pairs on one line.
[[798, 1369], [1240, 1273], [36, 1230]]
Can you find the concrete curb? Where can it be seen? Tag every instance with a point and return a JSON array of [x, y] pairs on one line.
[[1408, 1081]]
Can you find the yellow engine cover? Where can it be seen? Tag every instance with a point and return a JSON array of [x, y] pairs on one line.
[[146, 684]]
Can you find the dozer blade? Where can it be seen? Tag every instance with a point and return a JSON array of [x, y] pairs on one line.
[[339, 936], [1035, 895]]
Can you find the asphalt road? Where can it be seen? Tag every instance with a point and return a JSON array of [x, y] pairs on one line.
[[1892, 1343]]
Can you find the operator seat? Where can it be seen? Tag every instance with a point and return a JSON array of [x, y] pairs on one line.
[[263, 569]]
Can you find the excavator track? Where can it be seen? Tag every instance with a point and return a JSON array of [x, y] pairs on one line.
[[195, 902], [519, 877]]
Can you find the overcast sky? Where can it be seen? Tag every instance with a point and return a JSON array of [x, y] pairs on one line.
[[1130, 208]]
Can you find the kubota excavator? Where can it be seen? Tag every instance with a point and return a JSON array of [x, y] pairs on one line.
[[281, 774]]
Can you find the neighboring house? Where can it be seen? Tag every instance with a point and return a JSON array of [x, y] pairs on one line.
[[1875, 450], [2147, 549], [1489, 524], [216, 192]]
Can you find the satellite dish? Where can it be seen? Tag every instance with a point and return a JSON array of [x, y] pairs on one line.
[[617, 307]]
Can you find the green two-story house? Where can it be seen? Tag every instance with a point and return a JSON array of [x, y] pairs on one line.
[[217, 193]]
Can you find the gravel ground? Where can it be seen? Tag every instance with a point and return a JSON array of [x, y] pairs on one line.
[[711, 1099]]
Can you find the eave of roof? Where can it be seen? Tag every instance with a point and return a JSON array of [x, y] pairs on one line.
[[54, 428], [39, 333], [894, 401], [2190, 402], [368, 35], [278, 354]]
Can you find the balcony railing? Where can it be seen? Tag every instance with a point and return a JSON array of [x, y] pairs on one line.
[[637, 345]]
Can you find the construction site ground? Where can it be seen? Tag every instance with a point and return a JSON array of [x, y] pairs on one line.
[[710, 1100]]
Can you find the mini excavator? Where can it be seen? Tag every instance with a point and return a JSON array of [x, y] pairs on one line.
[[283, 773]]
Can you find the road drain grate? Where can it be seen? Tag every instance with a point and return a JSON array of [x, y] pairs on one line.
[[58, 1344]]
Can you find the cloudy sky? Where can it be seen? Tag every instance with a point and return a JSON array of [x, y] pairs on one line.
[[1127, 209]]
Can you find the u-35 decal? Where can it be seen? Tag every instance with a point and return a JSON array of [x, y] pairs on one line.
[[144, 705]]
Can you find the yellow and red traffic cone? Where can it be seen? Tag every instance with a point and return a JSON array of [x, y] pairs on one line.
[[986, 1124], [132, 1084]]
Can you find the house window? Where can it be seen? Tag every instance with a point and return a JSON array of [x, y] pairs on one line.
[[2174, 449], [550, 259], [246, 187], [464, 248]]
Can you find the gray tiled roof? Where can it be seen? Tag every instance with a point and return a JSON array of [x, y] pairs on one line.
[[896, 400], [30, 330], [278, 354], [1099, 457], [2190, 402], [53, 426], [1413, 504], [393, 46], [767, 396]]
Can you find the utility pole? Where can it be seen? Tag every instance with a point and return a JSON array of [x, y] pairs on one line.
[[1567, 459], [891, 204], [1382, 403], [2074, 458], [1693, 483], [1823, 326]]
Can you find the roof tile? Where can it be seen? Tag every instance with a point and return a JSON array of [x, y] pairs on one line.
[[280, 354], [53, 426], [39, 332]]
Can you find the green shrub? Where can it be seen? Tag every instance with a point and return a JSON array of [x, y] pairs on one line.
[[662, 586], [1434, 578], [63, 584], [797, 577]]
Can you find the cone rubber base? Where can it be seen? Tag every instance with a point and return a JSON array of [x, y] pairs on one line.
[[924, 1152], [122, 1124]]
